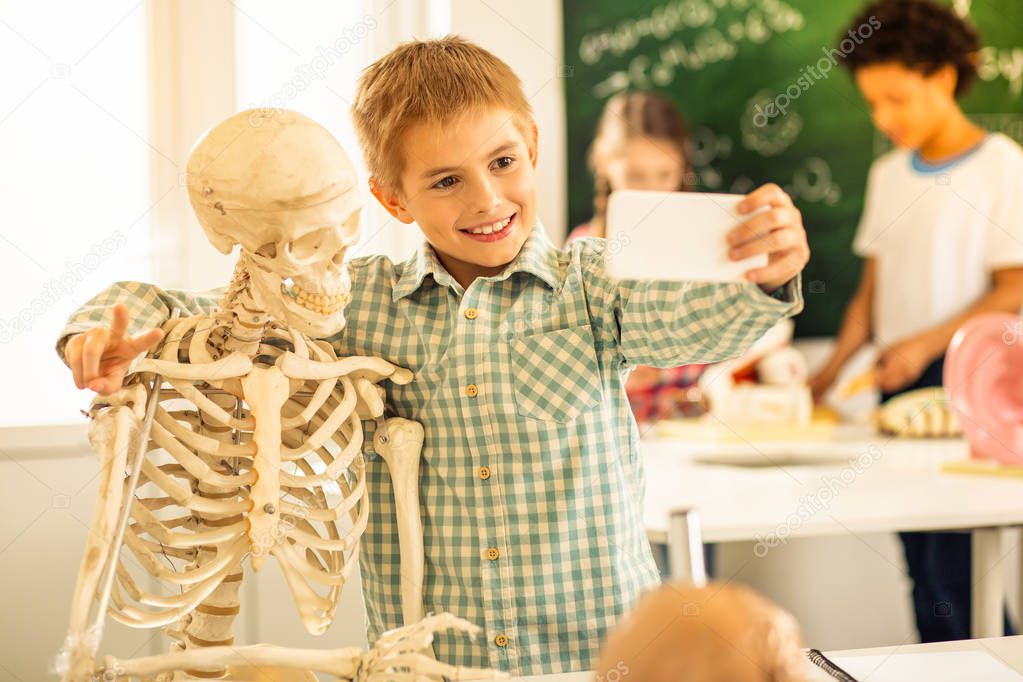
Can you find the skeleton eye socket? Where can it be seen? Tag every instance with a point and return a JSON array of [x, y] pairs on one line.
[[269, 250], [309, 245]]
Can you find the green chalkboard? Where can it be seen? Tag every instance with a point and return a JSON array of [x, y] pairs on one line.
[[719, 60]]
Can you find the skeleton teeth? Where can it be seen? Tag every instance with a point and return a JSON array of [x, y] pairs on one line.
[[324, 304]]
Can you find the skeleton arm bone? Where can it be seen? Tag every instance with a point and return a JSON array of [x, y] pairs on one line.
[[113, 434], [400, 444], [394, 651]]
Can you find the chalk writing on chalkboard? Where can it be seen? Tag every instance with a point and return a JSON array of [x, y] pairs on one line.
[[1004, 63], [811, 182], [756, 24], [962, 7], [769, 136]]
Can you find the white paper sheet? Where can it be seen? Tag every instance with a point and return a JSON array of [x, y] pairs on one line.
[[951, 666]]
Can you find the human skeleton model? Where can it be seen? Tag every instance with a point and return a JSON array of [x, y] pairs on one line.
[[233, 438]]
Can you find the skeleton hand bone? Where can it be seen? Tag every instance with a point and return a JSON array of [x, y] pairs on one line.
[[400, 654]]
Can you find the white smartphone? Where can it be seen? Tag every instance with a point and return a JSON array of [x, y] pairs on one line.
[[674, 236]]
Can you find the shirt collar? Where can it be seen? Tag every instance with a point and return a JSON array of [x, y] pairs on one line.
[[538, 257]]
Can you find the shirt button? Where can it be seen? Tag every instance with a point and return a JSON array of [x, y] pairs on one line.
[[492, 554], [472, 390], [471, 313], [484, 473], [501, 640]]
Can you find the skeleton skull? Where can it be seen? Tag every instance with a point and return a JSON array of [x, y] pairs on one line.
[[280, 185]]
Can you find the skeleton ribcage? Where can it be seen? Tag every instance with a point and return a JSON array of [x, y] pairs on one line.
[[208, 498]]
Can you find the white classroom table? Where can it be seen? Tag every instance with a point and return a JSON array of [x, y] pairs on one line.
[[1009, 650], [873, 483]]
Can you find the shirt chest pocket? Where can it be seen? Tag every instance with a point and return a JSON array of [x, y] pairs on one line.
[[555, 374]]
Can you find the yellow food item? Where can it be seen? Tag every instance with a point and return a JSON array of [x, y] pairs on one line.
[[826, 415], [863, 382]]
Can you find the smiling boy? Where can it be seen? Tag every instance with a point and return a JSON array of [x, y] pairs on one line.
[[531, 484]]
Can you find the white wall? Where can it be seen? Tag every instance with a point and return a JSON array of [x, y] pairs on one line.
[[46, 503]]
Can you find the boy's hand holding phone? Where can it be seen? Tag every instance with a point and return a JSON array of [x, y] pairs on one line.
[[777, 230]]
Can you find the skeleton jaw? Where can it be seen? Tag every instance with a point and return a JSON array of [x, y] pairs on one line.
[[329, 303], [317, 312]]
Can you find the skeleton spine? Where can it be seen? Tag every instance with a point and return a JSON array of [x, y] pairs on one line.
[[244, 324]]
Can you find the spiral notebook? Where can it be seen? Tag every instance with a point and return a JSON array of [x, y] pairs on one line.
[[940, 666], [822, 669]]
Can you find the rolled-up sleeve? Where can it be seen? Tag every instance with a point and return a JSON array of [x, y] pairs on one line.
[[148, 305]]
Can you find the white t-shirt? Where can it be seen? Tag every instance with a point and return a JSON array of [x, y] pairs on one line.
[[937, 233]]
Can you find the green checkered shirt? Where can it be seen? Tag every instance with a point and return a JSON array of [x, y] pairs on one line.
[[531, 484]]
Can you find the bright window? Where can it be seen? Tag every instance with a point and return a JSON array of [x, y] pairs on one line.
[[308, 57], [73, 130], [75, 114]]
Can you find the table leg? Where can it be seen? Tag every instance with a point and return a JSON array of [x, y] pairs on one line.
[[685, 547], [988, 583], [1019, 596]]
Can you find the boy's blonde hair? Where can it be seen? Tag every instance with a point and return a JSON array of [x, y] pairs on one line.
[[429, 81]]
